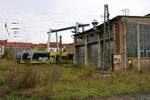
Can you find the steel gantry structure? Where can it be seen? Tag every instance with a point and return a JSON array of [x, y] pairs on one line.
[[74, 28]]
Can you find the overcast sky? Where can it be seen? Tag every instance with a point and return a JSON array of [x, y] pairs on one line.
[[35, 17]]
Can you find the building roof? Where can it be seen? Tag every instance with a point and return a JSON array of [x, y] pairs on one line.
[[3, 42], [18, 44], [148, 15], [52, 45], [113, 19], [68, 47]]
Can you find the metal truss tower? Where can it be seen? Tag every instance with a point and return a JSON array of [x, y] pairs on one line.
[[107, 40]]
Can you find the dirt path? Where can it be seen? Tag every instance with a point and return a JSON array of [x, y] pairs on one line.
[[134, 96]]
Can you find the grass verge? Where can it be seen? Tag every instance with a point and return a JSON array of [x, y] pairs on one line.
[[38, 82]]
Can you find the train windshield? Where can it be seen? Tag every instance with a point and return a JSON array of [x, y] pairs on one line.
[[37, 55]]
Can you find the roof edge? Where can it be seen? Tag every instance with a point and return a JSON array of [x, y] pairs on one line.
[[117, 17]]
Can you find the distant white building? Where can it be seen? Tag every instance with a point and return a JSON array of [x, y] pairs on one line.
[[1, 51]]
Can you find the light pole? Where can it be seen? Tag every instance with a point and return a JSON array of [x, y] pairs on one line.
[[6, 28], [95, 24], [14, 29]]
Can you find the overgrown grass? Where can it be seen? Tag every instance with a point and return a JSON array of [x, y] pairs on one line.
[[58, 82]]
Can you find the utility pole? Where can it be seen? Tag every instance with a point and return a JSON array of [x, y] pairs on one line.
[[14, 29], [95, 23], [107, 39]]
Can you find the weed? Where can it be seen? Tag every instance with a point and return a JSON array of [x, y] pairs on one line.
[[21, 79], [39, 82], [88, 71]]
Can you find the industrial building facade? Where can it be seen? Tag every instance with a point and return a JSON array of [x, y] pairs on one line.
[[129, 39]]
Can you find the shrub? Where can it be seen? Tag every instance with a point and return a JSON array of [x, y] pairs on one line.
[[88, 71], [21, 78]]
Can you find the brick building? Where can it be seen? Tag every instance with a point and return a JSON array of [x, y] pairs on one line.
[[129, 39], [15, 47]]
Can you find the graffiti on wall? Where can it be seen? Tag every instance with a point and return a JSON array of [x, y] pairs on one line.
[[117, 62]]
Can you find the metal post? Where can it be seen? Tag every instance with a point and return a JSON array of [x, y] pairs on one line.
[[57, 41], [95, 23], [86, 51], [77, 28], [60, 47], [99, 51], [104, 37], [125, 44], [6, 31], [138, 47], [107, 37], [82, 29], [48, 43], [75, 51]]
